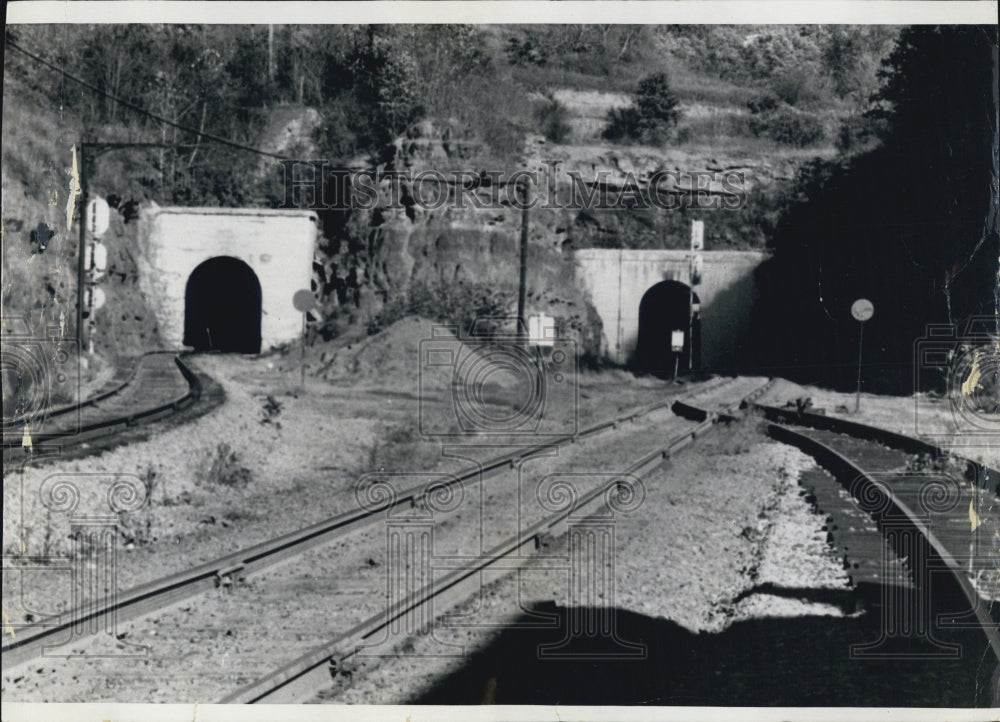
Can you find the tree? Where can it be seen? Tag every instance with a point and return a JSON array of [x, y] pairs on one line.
[[384, 79], [656, 102], [908, 224], [654, 112], [553, 119], [851, 57]]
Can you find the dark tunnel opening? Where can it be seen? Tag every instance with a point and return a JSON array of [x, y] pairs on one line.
[[664, 320], [222, 307]]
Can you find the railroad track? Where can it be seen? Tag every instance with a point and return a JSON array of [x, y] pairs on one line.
[[916, 526], [159, 386], [301, 678], [894, 506], [884, 485], [123, 377], [227, 572], [982, 475]]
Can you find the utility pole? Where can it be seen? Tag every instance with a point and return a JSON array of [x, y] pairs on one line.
[[270, 53], [522, 290], [81, 271], [694, 278], [690, 335], [861, 336]]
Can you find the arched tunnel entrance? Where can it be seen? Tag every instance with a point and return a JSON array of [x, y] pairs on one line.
[[665, 309], [222, 307]]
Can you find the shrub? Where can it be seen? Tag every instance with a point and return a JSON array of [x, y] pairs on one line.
[[796, 85], [452, 303], [652, 115], [764, 103], [789, 128], [552, 117], [271, 410], [225, 468], [858, 133], [623, 124], [526, 50]]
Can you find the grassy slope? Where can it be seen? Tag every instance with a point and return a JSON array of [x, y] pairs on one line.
[[42, 287], [714, 130], [715, 133], [36, 162]]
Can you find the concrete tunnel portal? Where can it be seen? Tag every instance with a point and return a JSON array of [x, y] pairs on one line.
[[632, 288], [222, 307], [224, 279]]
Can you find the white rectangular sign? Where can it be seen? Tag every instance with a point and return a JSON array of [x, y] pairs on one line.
[[541, 330], [697, 235], [676, 340]]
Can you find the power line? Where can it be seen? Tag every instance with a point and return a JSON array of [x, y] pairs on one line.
[[180, 126], [140, 109]]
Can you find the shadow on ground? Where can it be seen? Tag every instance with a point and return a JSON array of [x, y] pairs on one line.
[[796, 661]]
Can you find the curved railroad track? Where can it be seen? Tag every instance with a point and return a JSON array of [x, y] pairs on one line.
[[913, 496], [982, 475], [937, 518], [917, 499], [229, 571], [159, 386]]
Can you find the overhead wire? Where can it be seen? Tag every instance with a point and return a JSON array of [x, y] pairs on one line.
[[180, 126], [139, 109]]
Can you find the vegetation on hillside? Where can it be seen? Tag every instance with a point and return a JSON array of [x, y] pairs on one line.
[[908, 222], [651, 115], [370, 83], [780, 94]]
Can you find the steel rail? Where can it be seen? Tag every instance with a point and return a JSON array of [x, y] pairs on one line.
[[145, 416], [850, 474], [298, 680], [50, 413], [158, 594], [984, 476]]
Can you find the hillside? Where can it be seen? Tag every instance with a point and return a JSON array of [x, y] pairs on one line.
[[747, 107], [40, 249]]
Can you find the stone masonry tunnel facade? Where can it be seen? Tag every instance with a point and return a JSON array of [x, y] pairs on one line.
[[617, 280], [226, 272]]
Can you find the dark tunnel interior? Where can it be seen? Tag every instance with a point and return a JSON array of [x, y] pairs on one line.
[[664, 309], [222, 307]]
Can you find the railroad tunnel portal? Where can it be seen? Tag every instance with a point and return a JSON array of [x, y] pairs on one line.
[[224, 278], [624, 287]]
